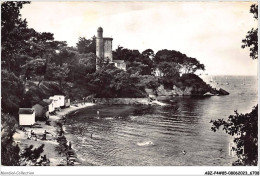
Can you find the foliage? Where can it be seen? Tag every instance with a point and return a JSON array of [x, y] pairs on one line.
[[110, 82], [57, 73], [34, 67], [82, 64], [13, 33], [244, 128], [29, 156], [87, 45], [20, 43], [12, 90], [9, 151], [199, 87], [251, 40], [186, 64]]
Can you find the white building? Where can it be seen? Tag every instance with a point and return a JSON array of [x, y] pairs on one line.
[[26, 116], [56, 103], [61, 99], [51, 104], [120, 64]]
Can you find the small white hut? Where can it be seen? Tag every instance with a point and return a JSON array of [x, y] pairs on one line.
[[61, 99], [55, 100], [26, 116]]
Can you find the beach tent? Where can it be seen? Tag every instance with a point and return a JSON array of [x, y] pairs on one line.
[[26, 116], [61, 99], [56, 102], [50, 104], [41, 110]]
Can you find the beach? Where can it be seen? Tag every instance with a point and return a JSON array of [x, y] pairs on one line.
[[50, 144]]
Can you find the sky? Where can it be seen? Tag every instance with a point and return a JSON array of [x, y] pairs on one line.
[[209, 31]]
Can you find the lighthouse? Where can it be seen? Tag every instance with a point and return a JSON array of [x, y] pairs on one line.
[[103, 48]]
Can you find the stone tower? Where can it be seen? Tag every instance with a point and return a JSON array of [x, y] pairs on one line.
[[103, 47]]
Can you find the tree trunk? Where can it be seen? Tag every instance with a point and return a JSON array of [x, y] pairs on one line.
[[40, 82]]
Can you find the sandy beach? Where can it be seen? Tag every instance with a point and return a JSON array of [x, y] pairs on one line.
[[50, 144]]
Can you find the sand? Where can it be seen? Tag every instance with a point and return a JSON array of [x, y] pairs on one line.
[[20, 137]]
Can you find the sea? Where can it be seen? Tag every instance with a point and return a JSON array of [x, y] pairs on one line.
[[158, 135]]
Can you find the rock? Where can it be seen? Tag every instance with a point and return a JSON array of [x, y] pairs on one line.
[[222, 92], [187, 91], [177, 91], [161, 91]]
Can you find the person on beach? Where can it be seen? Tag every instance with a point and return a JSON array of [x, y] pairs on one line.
[[29, 135], [45, 135], [32, 133], [69, 145]]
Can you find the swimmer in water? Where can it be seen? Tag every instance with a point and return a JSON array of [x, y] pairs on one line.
[[184, 152]]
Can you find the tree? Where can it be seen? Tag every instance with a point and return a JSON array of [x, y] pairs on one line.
[[87, 45], [35, 68], [9, 151], [245, 129], [251, 40], [186, 64], [148, 53], [14, 33], [12, 90], [191, 65], [170, 70], [57, 73], [82, 65]]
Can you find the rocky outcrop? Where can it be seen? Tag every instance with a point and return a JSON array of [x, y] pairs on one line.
[[162, 93], [222, 92], [122, 100]]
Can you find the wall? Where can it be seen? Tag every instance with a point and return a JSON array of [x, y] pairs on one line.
[[26, 119], [122, 100], [61, 100], [56, 102], [108, 48], [51, 107], [99, 47]]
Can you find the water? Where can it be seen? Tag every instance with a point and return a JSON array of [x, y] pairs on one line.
[[156, 135]]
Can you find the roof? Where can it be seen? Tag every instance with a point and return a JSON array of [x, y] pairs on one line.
[[59, 96], [49, 101], [100, 29], [118, 61], [107, 38], [26, 110], [43, 103]]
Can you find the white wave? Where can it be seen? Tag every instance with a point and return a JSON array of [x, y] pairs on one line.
[[145, 143]]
